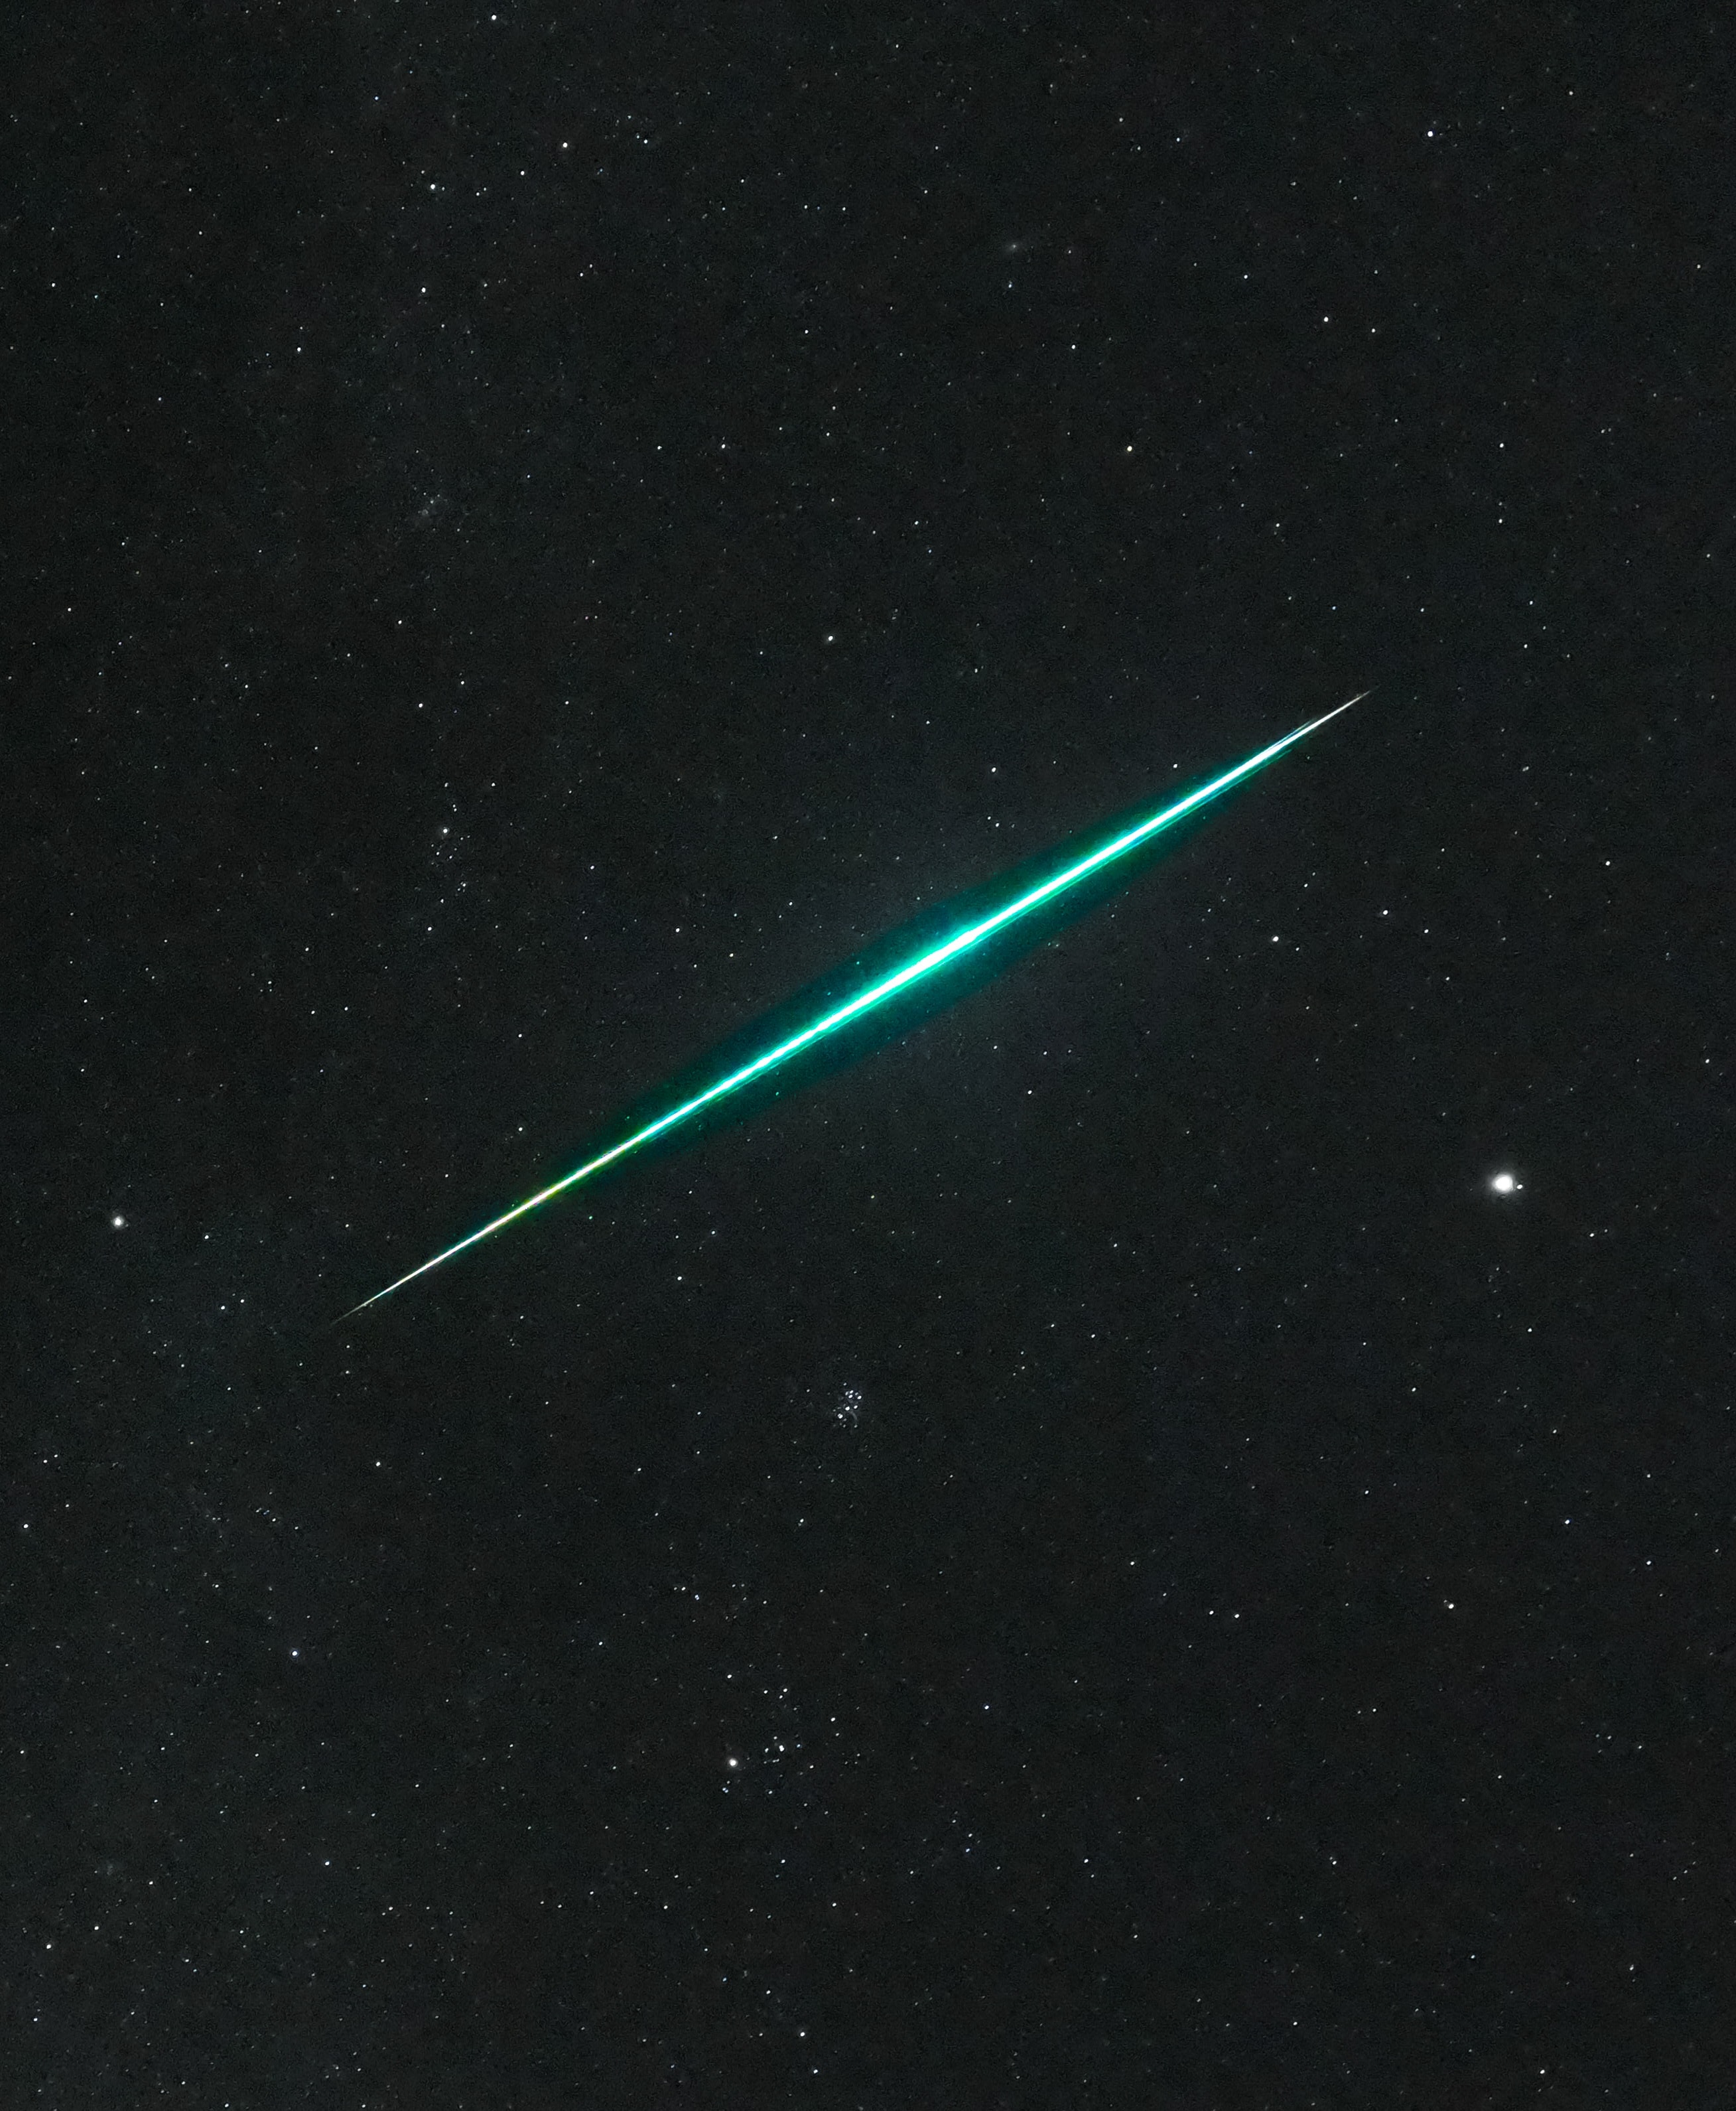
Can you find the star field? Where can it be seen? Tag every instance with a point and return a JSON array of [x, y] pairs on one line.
[[1161, 1538]]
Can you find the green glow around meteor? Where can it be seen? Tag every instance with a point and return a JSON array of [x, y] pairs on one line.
[[878, 992]]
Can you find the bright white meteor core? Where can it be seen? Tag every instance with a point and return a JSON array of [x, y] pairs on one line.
[[878, 992]]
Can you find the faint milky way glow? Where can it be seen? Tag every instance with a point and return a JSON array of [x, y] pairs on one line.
[[881, 991]]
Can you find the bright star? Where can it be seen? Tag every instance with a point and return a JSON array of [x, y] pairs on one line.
[[1504, 1184]]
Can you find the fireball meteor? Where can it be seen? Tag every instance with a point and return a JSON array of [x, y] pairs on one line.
[[877, 992]]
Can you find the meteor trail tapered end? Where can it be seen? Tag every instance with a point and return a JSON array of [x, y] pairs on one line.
[[1326, 718]]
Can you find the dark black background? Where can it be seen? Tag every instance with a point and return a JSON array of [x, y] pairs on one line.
[[1088, 1557]]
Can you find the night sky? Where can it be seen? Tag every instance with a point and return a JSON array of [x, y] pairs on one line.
[[1162, 1538]]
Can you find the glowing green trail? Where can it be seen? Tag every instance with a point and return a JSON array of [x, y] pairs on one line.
[[878, 992]]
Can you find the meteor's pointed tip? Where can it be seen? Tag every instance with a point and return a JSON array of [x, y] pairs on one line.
[[379, 1294], [1344, 706]]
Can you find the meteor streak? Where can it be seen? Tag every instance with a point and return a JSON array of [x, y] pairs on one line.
[[878, 992]]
